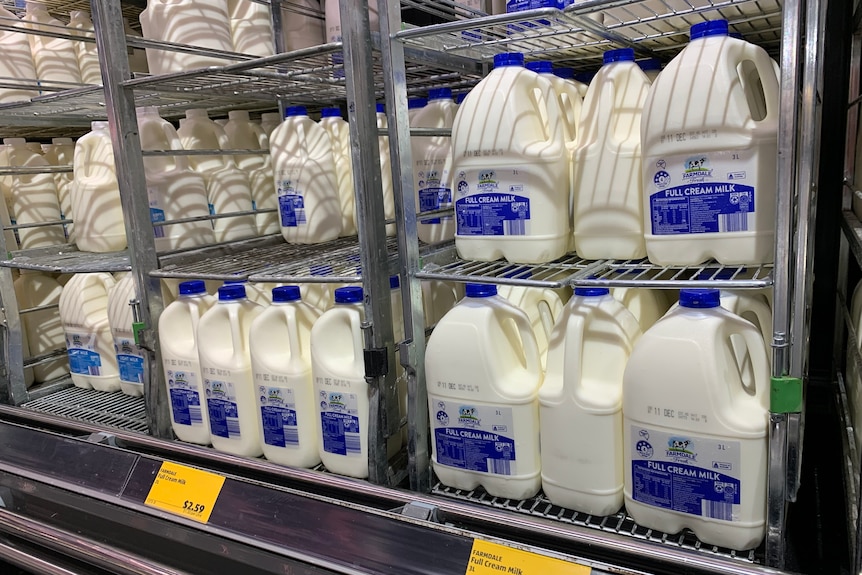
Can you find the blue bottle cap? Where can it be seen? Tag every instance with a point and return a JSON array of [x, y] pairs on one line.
[[416, 103], [394, 282], [381, 109], [330, 113], [193, 287], [709, 28], [619, 55], [591, 291], [283, 294], [508, 59], [699, 298], [350, 294], [230, 292], [460, 98], [295, 111], [440, 94], [480, 290], [649, 64], [565, 73], [541, 67]]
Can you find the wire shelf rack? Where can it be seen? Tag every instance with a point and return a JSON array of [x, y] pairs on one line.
[[109, 409], [60, 8], [67, 259]]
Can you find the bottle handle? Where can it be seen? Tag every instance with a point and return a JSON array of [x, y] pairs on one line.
[[293, 342], [174, 143], [757, 352], [224, 144], [528, 340], [766, 70], [553, 114], [763, 314], [358, 345]]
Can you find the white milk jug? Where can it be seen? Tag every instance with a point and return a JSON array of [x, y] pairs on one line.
[[173, 189], [413, 107], [203, 23], [568, 74], [243, 134], [95, 193], [250, 27], [226, 366], [137, 56], [86, 52], [569, 98], [319, 295], [484, 374], [695, 427], [339, 135], [608, 210], [269, 121], [385, 171], [264, 197], [84, 312], [60, 152], [303, 24], [34, 198], [42, 330], [305, 180], [198, 132], [280, 342], [713, 192], [432, 162], [543, 307], [259, 293], [438, 297], [333, 19], [510, 185], [647, 305], [581, 403], [131, 358], [17, 62], [55, 58], [178, 338]]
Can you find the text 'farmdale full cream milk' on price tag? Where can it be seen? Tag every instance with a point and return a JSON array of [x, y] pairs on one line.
[[493, 559], [185, 491]]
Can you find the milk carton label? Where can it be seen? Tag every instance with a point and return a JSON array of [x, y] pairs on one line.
[[473, 437], [339, 416], [433, 193], [704, 193], [686, 473], [222, 408], [291, 202], [83, 357], [492, 203], [278, 413], [185, 399], [130, 359], [157, 212]]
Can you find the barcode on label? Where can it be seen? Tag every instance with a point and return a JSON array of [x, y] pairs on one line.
[[291, 436], [300, 216], [351, 443], [94, 370], [733, 222], [195, 414], [717, 510], [232, 427], [499, 466], [515, 227]]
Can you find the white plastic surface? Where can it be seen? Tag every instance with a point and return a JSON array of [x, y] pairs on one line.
[[647, 305], [251, 27], [303, 24], [86, 52], [42, 330], [55, 59], [543, 306], [17, 61], [60, 152], [339, 134], [33, 198]]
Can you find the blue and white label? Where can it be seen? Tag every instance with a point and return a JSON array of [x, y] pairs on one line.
[[339, 418], [291, 201], [185, 399], [278, 414], [130, 360], [490, 205], [157, 211], [686, 473], [473, 437], [431, 199], [222, 409], [83, 357]]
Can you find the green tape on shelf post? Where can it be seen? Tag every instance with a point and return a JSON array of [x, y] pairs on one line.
[[786, 395], [137, 328]]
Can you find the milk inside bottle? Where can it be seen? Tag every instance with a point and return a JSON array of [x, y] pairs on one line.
[[647, 305], [696, 423], [131, 358], [569, 75], [178, 326], [33, 198], [484, 374], [543, 307], [43, 329], [88, 55], [55, 58], [250, 27], [17, 62], [339, 135], [510, 183], [243, 134], [570, 100], [713, 195]]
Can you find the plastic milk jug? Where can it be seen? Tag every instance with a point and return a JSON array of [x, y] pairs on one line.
[[510, 183], [568, 74], [432, 166], [250, 27], [17, 62], [43, 329], [543, 307], [386, 171], [243, 134], [198, 132], [569, 98], [137, 56], [713, 196], [305, 180], [320, 295], [259, 293], [608, 210], [178, 337], [695, 425], [55, 58], [581, 403], [484, 374], [413, 107], [60, 152], [131, 358], [269, 121], [438, 297], [95, 193], [339, 135], [84, 312], [303, 24], [647, 305], [86, 52], [333, 19], [174, 190], [203, 23], [280, 343], [34, 198], [226, 365], [263, 197]]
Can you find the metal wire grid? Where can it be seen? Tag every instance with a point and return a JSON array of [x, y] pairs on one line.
[[68, 260], [641, 273], [619, 523], [110, 409], [60, 8]]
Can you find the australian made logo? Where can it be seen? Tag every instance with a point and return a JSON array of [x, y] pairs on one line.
[[697, 168], [680, 449], [467, 416]]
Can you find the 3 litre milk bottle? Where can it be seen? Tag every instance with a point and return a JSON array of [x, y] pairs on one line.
[[696, 424], [386, 171], [608, 210], [569, 99], [280, 342], [43, 330], [84, 312], [511, 183], [543, 307], [34, 198], [303, 24], [178, 338], [568, 74], [339, 135], [86, 52], [55, 58], [581, 403], [60, 152], [131, 358], [250, 27], [438, 297], [432, 162], [710, 192], [484, 374], [647, 305], [17, 62], [305, 180], [226, 367]]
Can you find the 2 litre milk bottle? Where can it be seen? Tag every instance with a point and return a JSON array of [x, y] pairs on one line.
[[484, 374], [226, 366], [55, 58], [178, 338], [17, 62], [710, 190], [42, 330], [696, 423], [33, 198], [581, 403], [510, 184], [339, 135], [86, 52], [131, 358], [280, 343]]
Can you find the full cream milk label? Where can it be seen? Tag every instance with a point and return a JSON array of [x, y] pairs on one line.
[[434, 193], [474, 437], [686, 473], [157, 211], [221, 404], [291, 200], [278, 412], [492, 202], [83, 357], [703, 193], [339, 418], [183, 389], [130, 359]]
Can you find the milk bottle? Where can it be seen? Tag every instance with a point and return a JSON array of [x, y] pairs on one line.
[[84, 313], [95, 193], [651, 67], [198, 132], [178, 327], [60, 152], [131, 358], [731, 164], [259, 293], [226, 366], [484, 374], [269, 121], [581, 403], [55, 58], [319, 295], [17, 62], [34, 198], [264, 197], [543, 307], [42, 330], [695, 425], [174, 190], [303, 24], [570, 99], [432, 160], [386, 171], [250, 27], [647, 305], [413, 107], [305, 180], [339, 135], [569, 75], [280, 342], [608, 211], [137, 56], [203, 23], [508, 204], [333, 19], [243, 134], [438, 297], [86, 52]]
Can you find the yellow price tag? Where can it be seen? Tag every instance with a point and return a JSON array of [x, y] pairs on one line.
[[492, 559], [185, 491]]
